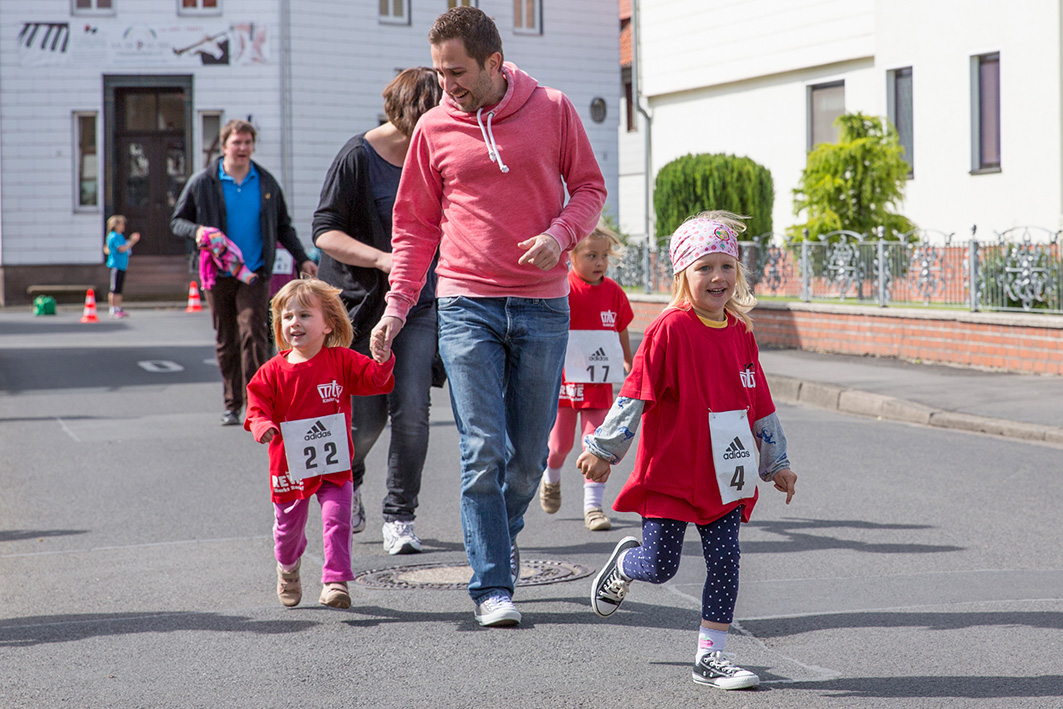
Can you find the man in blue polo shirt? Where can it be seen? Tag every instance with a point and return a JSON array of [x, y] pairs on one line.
[[242, 199]]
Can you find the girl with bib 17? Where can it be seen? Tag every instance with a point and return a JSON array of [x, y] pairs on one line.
[[299, 403], [709, 430]]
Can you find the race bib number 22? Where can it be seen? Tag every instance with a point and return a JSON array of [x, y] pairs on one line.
[[316, 446]]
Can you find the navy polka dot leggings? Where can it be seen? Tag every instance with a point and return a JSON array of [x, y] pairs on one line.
[[657, 560]]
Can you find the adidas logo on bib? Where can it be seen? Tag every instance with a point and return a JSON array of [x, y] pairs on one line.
[[316, 431], [735, 450], [598, 355]]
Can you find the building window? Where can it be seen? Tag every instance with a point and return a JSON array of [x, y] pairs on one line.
[[527, 17], [86, 166], [985, 113], [210, 127], [462, 3], [629, 107], [825, 103], [93, 7], [198, 7], [899, 110], [395, 12]]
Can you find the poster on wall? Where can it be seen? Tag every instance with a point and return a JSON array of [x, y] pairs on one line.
[[64, 44]]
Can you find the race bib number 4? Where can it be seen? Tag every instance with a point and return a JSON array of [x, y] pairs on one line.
[[316, 446], [734, 454], [594, 357]]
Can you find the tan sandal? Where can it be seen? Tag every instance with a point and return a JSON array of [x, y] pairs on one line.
[[596, 521], [550, 497], [335, 595], [289, 588]]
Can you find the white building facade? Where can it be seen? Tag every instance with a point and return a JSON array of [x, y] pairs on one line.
[[974, 87], [108, 106]]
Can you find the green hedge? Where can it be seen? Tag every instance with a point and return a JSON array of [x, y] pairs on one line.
[[698, 183]]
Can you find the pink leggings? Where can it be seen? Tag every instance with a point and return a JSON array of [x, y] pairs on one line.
[[563, 434], [289, 530]]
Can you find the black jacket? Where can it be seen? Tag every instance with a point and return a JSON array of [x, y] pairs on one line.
[[202, 203], [347, 205]]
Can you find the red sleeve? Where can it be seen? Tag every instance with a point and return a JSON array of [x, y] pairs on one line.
[[416, 230], [764, 403], [624, 314], [652, 374], [365, 376], [583, 179], [260, 399]]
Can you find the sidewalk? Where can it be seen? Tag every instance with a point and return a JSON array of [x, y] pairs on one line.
[[1028, 407]]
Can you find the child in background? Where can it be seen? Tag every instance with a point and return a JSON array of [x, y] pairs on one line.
[[706, 412], [599, 314], [299, 403], [117, 249]]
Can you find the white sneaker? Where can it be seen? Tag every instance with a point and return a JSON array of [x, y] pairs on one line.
[[357, 512], [716, 670], [497, 611], [400, 539]]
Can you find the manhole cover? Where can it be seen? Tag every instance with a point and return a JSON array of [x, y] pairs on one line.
[[456, 576]]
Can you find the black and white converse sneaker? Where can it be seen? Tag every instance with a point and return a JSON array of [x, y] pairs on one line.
[[514, 564], [716, 670], [610, 587]]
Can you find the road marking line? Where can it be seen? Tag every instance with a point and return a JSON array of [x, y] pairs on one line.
[[137, 546], [65, 428]]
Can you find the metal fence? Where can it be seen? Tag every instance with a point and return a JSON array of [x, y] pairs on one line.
[[1019, 269]]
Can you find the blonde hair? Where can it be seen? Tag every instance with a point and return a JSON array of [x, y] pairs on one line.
[[602, 231], [112, 221], [742, 300], [310, 293]]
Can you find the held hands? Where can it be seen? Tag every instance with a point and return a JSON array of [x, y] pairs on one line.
[[268, 435], [785, 480], [134, 237], [308, 267], [382, 336], [594, 469], [541, 251]]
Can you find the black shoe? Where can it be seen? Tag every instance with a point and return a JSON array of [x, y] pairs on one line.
[[514, 564], [716, 670], [230, 418], [610, 587]]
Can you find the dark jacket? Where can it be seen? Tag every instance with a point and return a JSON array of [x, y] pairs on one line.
[[202, 203], [347, 205]]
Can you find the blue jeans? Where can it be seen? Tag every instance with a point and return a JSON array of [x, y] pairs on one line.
[[503, 358], [407, 406]]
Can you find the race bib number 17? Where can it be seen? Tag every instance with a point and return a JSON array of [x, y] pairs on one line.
[[316, 446]]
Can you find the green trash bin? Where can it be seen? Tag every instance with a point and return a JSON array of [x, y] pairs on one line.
[[44, 305]]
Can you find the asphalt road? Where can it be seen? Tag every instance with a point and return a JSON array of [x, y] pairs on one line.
[[916, 567]]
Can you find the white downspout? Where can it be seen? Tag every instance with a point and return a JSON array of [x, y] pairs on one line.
[[636, 66], [287, 130]]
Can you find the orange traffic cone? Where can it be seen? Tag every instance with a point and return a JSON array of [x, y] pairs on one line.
[[89, 315], [194, 305]]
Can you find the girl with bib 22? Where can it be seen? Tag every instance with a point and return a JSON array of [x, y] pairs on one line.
[[299, 403], [708, 429], [599, 354]]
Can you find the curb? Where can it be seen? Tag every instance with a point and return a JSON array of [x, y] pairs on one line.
[[862, 403]]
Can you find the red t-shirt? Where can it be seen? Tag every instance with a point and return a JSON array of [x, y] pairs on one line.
[[601, 307], [683, 369], [281, 391]]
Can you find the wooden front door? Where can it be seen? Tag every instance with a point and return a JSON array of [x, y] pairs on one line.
[[151, 164]]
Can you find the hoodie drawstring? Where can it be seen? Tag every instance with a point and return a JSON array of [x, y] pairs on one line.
[[489, 140]]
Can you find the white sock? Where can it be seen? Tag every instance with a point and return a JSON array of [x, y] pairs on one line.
[[288, 567], [710, 640], [552, 475], [620, 565], [592, 495]]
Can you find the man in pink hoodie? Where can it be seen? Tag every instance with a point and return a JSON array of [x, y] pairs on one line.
[[485, 182]]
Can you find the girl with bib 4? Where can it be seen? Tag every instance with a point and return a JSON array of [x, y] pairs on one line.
[[598, 355], [299, 403], [708, 430]]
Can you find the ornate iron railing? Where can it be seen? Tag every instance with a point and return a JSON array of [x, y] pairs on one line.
[[1019, 269]]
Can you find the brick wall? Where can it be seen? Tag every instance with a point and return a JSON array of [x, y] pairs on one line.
[[1013, 342]]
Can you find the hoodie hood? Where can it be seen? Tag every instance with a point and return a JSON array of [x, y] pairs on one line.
[[519, 88]]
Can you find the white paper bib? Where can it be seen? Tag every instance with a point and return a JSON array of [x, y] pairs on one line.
[[734, 454], [316, 446], [594, 357]]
